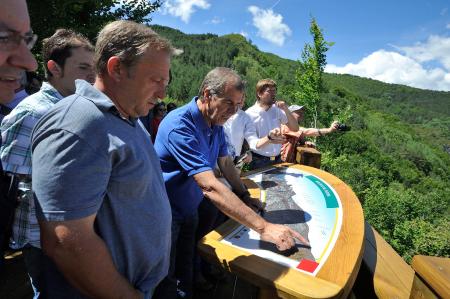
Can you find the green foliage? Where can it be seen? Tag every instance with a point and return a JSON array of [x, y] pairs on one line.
[[203, 52], [398, 168], [412, 105], [408, 219], [419, 236], [402, 181], [84, 16], [404, 205], [309, 73]]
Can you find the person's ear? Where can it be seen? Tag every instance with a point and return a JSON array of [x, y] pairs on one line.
[[260, 93], [115, 68], [54, 69]]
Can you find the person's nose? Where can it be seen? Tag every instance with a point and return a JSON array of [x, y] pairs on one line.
[[161, 92], [23, 59]]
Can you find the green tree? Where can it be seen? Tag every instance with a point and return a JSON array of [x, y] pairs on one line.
[[85, 16], [311, 67]]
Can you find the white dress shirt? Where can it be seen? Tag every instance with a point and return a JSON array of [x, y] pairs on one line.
[[237, 128], [264, 122]]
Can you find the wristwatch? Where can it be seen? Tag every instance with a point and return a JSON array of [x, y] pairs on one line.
[[270, 138]]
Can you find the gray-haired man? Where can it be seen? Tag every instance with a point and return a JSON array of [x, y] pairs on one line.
[[103, 209], [189, 143]]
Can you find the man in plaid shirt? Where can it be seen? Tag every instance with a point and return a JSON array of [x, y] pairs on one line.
[[67, 56]]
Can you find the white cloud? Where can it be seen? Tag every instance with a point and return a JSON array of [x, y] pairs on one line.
[[244, 34], [215, 20], [184, 8], [436, 48], [393, 67], [270, 25]]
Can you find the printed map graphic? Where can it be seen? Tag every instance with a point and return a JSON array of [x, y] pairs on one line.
[[303, 202]]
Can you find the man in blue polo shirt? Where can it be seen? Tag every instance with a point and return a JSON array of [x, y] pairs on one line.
[[189, 143]]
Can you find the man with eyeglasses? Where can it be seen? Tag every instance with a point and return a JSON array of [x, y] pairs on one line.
[[269, 114], [189, 143], [16, 40], [67, 56]]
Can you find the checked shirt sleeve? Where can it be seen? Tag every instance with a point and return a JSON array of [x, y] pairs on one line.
[[15, 151]]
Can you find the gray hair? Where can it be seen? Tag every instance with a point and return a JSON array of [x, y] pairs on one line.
[[129, 41], [218, 79]]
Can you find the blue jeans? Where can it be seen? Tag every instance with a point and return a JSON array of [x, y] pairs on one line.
[[181, 260], [34, 263]]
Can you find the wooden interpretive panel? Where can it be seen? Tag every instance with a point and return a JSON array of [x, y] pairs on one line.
[[320, 207]]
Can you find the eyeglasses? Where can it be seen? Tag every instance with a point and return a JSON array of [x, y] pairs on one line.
[[10, 40]]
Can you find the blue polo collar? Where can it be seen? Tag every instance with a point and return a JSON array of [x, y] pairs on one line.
[[197, 116]]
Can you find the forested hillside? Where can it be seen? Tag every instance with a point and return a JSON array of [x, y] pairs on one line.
[[396, 156]]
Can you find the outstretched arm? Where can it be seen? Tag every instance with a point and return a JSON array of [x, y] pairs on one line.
[[226, 201], [313, 132]]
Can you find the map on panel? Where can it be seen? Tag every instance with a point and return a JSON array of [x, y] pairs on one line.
[[302, 201]]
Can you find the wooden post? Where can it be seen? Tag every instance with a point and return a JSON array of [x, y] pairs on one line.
[[308, 156]]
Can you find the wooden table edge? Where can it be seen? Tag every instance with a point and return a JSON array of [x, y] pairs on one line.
[[332, 286]]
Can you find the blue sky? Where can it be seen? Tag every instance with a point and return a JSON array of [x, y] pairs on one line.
[[396, 41]]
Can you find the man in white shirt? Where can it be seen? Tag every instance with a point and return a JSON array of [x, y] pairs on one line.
[[239, 127], [267, 114]]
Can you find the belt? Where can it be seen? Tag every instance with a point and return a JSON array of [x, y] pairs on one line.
[[21, 177], [261, 157]]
